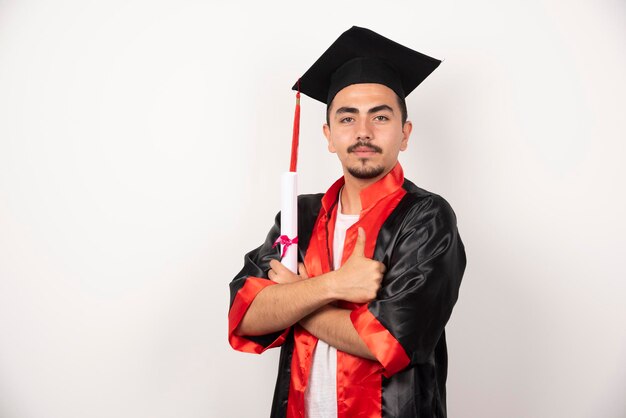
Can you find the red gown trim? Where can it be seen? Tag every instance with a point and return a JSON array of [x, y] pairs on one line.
[[243, 299], [381, 343]]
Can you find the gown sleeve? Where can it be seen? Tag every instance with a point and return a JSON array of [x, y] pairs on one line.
[[424, 270], [244, 288]]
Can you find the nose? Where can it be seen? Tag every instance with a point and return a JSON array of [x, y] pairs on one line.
[[364, 131]]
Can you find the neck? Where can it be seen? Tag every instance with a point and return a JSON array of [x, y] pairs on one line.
[[351, 194]]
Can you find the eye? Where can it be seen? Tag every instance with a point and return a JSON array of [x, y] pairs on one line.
[[347, 119], [381, 118]]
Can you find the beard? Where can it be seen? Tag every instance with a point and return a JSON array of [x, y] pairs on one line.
[[365, 173]]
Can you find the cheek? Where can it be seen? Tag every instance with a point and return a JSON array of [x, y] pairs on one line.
[[390, 138], [339, 141], [335, 144]]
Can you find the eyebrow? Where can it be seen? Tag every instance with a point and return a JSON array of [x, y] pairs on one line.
[[379, 108], [346, 109]]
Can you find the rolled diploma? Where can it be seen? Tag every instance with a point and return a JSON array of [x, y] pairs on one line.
[[289, 217]]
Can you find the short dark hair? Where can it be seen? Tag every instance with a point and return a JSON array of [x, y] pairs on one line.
[[401, 104]]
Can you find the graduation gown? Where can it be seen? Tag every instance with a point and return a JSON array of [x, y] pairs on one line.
[[414, 233]]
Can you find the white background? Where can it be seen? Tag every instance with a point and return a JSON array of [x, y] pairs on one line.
[[141, 145]]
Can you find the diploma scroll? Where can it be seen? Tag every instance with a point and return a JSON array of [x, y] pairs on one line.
[[289, 220]]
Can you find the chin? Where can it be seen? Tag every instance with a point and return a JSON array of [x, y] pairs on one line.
[[364, 172]]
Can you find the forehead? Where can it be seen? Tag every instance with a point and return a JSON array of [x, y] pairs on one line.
[[363, 95]]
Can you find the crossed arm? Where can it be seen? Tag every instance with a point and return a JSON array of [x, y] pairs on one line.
[[309, 302]]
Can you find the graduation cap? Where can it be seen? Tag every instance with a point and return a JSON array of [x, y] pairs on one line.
[[360, 55]]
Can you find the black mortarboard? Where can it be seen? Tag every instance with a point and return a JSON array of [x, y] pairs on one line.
[[360, 55]]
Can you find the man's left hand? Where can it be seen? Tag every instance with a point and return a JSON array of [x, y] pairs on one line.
[[280, 274]]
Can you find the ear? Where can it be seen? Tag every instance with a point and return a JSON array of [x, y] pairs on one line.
[[406, 132], [331, 147]]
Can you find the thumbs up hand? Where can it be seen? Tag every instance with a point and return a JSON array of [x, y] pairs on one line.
[[358, 280]]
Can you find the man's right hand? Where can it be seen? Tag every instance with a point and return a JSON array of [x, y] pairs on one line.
[[358, 279]]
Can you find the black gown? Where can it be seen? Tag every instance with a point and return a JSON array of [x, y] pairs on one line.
[[418, 241]]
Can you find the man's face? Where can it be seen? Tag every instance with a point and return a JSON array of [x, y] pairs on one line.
[[365, 130]]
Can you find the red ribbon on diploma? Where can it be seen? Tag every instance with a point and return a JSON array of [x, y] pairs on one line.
[[285, 241]]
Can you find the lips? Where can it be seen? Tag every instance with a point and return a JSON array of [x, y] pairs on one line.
[[364, 152]]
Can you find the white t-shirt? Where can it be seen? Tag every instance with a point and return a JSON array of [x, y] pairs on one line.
[[321, 394]]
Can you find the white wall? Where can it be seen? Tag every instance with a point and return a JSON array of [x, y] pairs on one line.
[[140, 147]]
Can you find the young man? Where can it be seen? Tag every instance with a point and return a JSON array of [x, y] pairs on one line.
[[362, 325]]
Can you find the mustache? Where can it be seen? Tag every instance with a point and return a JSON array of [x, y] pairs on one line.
[[373, 147]]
